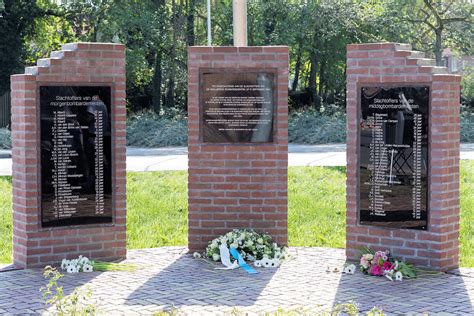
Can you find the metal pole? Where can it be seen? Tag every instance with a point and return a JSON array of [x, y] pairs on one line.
[[209, 35], [240, 22]]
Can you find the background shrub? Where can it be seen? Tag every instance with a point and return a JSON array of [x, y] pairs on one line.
[[148, 129], [467, 125], [5, 138], [311, 127]]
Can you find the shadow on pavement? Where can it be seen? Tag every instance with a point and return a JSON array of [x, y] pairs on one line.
[[190, 282], [442, 293], [20, 290]]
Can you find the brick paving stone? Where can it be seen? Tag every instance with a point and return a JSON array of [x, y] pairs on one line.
[[171, 279]]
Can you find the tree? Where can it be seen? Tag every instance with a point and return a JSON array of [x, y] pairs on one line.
[[158, 32], [88, 17], [17, 22], [437, 15]]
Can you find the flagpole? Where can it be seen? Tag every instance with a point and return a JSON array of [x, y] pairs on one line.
[[240, 22]]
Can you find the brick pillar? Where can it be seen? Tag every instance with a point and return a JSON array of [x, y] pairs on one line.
[[76, 64], [390, 64], [239, 185]]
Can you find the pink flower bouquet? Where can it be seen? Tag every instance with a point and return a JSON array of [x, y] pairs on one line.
[[381, 263]]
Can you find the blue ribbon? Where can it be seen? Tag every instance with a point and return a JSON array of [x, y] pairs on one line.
[[241, 261]]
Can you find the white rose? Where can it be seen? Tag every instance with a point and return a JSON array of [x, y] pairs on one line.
[[369, 256], [216, 257]]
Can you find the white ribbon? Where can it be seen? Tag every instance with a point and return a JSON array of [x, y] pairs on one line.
[[225, 259]]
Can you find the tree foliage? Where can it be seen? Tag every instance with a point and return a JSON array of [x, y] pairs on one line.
[[158, 32]]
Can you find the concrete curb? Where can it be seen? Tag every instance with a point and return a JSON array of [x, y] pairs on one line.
[[5, 153]]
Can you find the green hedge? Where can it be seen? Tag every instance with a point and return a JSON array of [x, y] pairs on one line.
[[5, 139], [147, 129], [467, 127], [310, 127]]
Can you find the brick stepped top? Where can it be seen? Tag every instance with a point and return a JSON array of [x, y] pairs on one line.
[[78, 58], [76, 64], [397, 65], [393, 58]]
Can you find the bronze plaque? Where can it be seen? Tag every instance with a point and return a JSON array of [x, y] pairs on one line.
[[237, 107], [393, 157], [76, 155]]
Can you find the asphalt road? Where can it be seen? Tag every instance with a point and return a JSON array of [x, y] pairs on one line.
[[176, 158]]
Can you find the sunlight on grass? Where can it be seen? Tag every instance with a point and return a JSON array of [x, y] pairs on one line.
[[467, 213], [317, 206], [6, 220], [157, 209]]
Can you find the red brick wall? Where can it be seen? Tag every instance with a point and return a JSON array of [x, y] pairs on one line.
[[238, 185], [75, 64], [397, 64]]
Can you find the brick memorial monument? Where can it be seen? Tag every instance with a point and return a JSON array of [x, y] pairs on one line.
[[68, 135], [238, 142], [403, 148]]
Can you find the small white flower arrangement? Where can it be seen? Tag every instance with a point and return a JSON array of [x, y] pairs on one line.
[[81, 264], [349, 269], [252, 246]]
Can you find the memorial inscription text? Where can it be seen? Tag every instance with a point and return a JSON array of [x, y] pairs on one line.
[[394, 157], [237, 107], [76, 164]]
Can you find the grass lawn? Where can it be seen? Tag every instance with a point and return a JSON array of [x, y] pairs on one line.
[[467, 214], [157, 209], [6, 219]]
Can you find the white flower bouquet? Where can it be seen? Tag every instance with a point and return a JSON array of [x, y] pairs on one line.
[[83, 264], [252, 246]]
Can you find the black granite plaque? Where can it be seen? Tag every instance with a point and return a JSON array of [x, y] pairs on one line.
[[394, 157], [237, 107], [76, 157]]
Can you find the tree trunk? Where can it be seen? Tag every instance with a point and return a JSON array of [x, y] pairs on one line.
[[251, 38], [157, 80], [269, 28], [322, 79], [156, 83], [312, 81], [191, 38], [172, 72], [438, 46], [294, 86]]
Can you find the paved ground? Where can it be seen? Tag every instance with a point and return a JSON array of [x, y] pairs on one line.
[[175, 158], [172, 279]]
